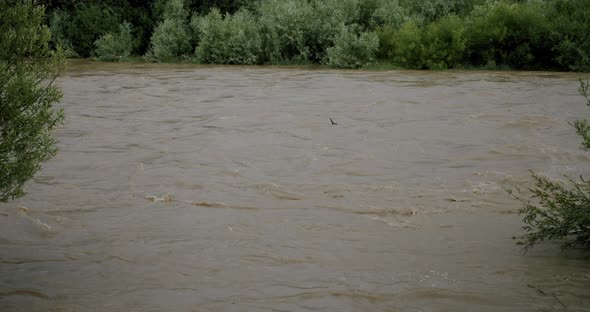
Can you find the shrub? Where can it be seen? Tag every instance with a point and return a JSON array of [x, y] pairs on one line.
[[353, 50], [175, 9], [444, 42], [326, 24], [27, 94], [170, 41], [386, 35], [432, 10], [409, 50], [169, 9], [194, 27], [86, 24], [366, 10], [139, 16], [389, 14], [333, 13], [429, 11], [559, 210], [115, 47], [300, 30], [571, 56], [58, 24], [233, 39], [283, 28], [510, 34], [569, 35]]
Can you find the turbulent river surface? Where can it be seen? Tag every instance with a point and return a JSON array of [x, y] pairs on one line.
[[187, 188]]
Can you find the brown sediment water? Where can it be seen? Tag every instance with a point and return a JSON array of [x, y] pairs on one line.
[[196, 188]]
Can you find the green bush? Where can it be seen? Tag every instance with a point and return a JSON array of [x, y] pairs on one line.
[[194, 27], [86, 24], [438, 45], [510, 34], [58, 24], [326, 24], [170, 41], [283, 28], [233, 39], [559, 210], [388, 14], [169, 9], [139, 16], [429, 11], [27, 94], [115, 47], [366, 10], [408, 48], [386, 35], [353, 50], [569, 35], [337, 12], [444, 42], [175, 9], [571, 56]]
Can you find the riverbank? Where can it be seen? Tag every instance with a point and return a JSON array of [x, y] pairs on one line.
[[377, 67]]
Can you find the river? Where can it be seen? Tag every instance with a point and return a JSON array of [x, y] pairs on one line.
[[196, 188]]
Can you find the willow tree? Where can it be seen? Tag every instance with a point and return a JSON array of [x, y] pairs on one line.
[[559, 210], [28, 68]]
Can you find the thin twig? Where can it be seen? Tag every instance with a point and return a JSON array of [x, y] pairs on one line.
[[537, 289], [545, 294], [554, 296]]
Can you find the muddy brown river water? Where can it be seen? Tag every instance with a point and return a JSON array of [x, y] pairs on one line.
[[187, 188]]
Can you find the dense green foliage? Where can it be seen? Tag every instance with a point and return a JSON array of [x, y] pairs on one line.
[[229, 39], [430, 10], [419, 34], [352, 50], [27, 69], [82, 26], [445, 42], [508, 34], [582, 126], [408, 50], [171, 38], [170, 41], [285, 26], [115, 47], [387, 13], [559, 210]]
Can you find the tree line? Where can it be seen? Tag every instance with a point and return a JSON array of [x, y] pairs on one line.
[[28, 67], [415, 34]]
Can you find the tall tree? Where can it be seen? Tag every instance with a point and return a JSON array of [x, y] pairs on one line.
[[28, 68]]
